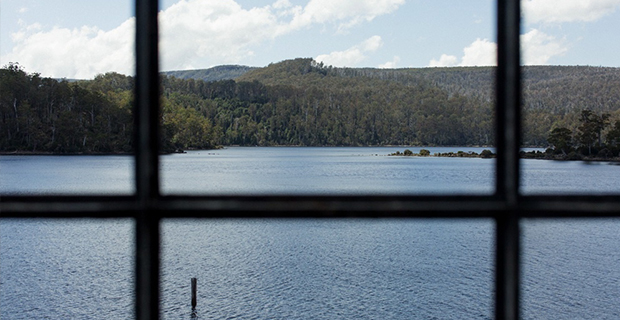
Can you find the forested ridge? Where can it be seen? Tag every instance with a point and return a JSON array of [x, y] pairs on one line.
[[226, 72], [297, 102]]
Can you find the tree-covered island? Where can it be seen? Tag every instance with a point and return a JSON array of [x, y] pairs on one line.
[[303, 103]]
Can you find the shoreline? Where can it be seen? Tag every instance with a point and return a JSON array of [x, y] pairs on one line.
[[458, 154]]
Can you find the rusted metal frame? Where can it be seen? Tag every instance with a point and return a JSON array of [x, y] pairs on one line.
[[508, 133], [146, 141]]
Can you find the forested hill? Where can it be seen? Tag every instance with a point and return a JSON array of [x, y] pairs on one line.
[[227, 72], [553, 95], [296, 102], [299, 102]]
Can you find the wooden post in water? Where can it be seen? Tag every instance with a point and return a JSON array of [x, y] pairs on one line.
[[194, 285]]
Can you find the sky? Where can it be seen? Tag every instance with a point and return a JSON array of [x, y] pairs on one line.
[[82, 38]]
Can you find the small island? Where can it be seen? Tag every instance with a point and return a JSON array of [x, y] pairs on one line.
[[459, 154]]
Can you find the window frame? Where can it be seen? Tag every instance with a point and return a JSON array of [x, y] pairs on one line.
[[147, 207]]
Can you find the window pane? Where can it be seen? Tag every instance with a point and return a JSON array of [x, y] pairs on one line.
[[354, 76], [66, 269], [571, 94], [337, 269], [66, 89], [570, 269]]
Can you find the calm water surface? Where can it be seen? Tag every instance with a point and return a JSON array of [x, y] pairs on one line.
[[310, 269], [323, 171]]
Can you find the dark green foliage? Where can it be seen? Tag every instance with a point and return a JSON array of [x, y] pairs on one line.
[[561, 140], [425, 153], [301, 102], [591, 128], [604, 153], [613, 135], [311, 104], [589, 138], [487, 154], [408, 152], [45, 115], [554, 96]]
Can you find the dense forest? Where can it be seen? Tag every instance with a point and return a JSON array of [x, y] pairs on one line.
[[42, 115], [297, 102]]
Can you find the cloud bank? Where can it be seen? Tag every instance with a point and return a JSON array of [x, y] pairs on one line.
[[560, 11], [352, 56], [194, 34], [538, 49]]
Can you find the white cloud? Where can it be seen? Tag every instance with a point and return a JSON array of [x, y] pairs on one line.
[[74, 53], [481, 52], [558, 11], [353, 55], [194, 34], [444, 61], [538, 48], [346, 13], [390, 64], [282, 4], [22, 10]]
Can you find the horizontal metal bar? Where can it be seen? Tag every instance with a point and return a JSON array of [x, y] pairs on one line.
[[309, 206], [579, 206], [68, 207]]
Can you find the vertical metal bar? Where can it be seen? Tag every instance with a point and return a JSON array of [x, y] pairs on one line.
[[508, 93], [147, 268], [146, 115], [147, 94]]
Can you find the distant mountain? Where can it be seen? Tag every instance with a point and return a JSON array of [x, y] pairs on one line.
[[558, 89], [553, 95], [226, 72], [299, 102]]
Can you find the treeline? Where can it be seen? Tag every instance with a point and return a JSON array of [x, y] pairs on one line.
[[306, 104], [298, 102], [553, 96], [596, 137], [47, 115]]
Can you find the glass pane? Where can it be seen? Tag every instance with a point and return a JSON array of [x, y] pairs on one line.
[[342, 269], [570, 269], [571, 93], [66, 269], [66, 89], [366, 79]]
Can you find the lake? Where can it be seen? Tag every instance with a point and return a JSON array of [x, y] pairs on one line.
[[308, 269], [290, 170]]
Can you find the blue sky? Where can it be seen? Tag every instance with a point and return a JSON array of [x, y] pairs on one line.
[[82, 38]]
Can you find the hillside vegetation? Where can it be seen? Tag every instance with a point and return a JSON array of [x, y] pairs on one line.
[[218, 73], [297, 102]]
